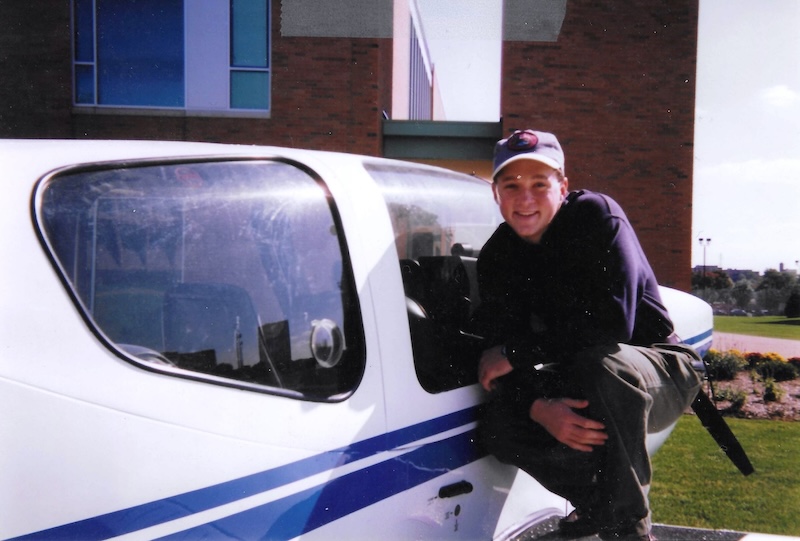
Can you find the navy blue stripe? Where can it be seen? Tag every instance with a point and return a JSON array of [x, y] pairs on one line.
[[699, 338], [316, 507], [703, 349], [158, 512]]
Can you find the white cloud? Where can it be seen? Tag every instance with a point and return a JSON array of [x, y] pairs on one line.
[[780, 96], [751, 210], [466, 48], [785, 171]]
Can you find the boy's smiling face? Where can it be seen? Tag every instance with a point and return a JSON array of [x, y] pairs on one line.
[[529, 194]]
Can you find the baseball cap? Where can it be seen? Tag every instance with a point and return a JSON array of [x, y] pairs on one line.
[[528, 145]]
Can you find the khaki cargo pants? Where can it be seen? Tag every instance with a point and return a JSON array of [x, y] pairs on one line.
[[633, 390]]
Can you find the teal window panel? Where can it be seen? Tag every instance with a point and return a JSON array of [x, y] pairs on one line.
[[249, 33], [250, 90]]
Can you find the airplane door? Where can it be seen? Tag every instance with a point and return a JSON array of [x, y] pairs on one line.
[[440, 219]]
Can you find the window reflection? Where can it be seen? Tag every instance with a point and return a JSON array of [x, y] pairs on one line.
[[223, 269], [440, 221]]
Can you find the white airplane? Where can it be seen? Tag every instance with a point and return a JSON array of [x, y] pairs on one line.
[[232, 342]]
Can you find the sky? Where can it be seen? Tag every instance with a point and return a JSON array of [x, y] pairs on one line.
[[465, 46], [747, 118]]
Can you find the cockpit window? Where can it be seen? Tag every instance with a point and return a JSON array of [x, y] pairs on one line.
[[232, 272], [441, 220]]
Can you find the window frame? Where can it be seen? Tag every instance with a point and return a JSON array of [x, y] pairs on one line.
[[439, 273], [354, 331], [223, 75]]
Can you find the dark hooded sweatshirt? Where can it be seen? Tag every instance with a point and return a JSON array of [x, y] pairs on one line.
[[587, 283]]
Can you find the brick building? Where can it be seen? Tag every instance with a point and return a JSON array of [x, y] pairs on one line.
[[614, 80]]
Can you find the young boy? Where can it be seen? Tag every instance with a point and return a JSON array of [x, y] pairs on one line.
[[581, 364]]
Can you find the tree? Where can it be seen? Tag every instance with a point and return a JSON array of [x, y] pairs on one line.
[[774, 279], [793, 303], [774, 289], [716, 279], [742, 294]]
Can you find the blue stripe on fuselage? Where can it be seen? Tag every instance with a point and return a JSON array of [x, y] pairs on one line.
[[313, 508], [426, 459], [700, 337], [699, 342]]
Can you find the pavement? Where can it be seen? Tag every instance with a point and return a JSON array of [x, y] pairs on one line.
[[548, 531], [757, 344]]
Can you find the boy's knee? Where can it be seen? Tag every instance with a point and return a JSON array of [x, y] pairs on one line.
[[605, 368]]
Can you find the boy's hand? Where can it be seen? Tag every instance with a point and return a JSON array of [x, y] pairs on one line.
[[492, 366], [573, 430]]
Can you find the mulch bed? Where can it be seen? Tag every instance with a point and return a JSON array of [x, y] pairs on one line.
[[785, 408]]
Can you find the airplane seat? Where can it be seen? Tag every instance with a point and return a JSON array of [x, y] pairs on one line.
[[208, 325], [471, 269], [413, 279], [444, 359], [444, 356], [426, 344], [469, 258], [447, 290]]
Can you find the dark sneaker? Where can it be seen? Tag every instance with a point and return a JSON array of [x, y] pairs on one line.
[[577, 524]]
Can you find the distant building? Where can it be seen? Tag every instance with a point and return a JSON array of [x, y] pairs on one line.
[[699, 269], [614, 80], [734, 274], [742, 274]]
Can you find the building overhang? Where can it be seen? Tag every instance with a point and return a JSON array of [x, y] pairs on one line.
[[436, 140]]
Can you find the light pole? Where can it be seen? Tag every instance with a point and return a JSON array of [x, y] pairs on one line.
[[704, 242]]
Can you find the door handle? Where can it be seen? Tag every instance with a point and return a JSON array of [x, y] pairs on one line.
[[456, 489]]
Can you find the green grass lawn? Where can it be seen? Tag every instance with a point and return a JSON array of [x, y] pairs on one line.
[[769, 326], [696, 485]]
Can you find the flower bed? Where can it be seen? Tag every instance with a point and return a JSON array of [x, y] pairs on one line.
[[755, 385]]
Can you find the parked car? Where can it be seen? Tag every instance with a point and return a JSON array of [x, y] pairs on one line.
[[241, 342]]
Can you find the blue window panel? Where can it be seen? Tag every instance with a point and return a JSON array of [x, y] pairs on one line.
[[250, 90], [84, 31], [84, 84], [140, 52], [249, 24]]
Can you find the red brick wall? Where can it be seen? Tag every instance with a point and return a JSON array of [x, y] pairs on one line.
[[327, 93], [618, 90], [35, 69], [330, 93]]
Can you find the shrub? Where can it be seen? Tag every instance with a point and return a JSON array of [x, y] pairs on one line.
[[753, 358], [737, 398], [772, 391], [724, 365], [777, 370], [772, 365]]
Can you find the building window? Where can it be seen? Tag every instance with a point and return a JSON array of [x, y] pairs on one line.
[[420, 105], [201, 56]]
